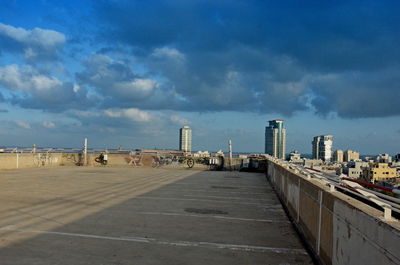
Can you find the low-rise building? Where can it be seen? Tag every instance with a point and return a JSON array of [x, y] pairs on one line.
[[338, 156], [312, 163], [354, 169], [379, 172], [294, 156], [350, 155], [383, 158]]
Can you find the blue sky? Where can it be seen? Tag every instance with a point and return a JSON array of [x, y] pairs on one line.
[[131, 73]]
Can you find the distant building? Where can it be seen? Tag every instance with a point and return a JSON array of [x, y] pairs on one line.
[[350, 155], [354, 169], [379, 172], [369, 159], [294, 155], [275, 139], [322, 147], [202, 154], [397, 158], [338, 156], [312, 163], [185, 139], [383, 158]]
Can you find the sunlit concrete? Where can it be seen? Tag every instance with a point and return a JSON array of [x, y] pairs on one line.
[[78, 215]]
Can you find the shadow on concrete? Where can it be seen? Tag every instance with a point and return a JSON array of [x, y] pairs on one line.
[[146, 221]]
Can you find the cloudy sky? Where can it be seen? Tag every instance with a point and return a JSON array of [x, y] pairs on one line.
[[131, 73]]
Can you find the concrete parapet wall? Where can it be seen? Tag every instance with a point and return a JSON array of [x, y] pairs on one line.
[[18, 160], [235, 164], [29, 160], [337, 228]]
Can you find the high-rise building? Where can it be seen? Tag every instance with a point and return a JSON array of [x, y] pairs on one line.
[[185, 139], [350, 155], [338, 156], [275, 139], [322, 147]]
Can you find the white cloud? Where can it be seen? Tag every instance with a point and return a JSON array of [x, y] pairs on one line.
[[31, 43], [41, 91], [76, 88], [131, 114], [166, 52], [48, 124], [137, 88], [26, 79], [23, 124], [179, 120], [42, 37]]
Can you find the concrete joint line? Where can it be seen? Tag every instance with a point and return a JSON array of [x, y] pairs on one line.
[[169, 243], [216, 217], [203, 200]]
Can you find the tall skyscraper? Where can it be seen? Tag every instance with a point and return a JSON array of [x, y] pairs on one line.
[[275, 139], [185, 139], [322, 147]]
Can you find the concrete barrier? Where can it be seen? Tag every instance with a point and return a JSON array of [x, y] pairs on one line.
[[29, 160], [337, 228], [18, 160]]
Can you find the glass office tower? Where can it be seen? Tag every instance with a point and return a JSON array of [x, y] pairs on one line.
[[275, 139]]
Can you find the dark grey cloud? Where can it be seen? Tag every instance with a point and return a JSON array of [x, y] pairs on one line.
[[258, 56], [264, 56], [358, 94], [119, 86]]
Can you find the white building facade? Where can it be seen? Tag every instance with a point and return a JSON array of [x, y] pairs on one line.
[[322, 147]]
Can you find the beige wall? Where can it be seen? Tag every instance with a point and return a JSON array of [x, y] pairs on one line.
[[27, 160], [338, 228], [16, 160], [379, 172]]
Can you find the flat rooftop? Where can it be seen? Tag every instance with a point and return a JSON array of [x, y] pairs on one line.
[[86, 215]]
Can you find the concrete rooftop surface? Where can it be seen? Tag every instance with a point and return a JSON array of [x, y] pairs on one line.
[[86, 215]]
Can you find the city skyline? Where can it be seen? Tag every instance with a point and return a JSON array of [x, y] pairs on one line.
[[76, 69]]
